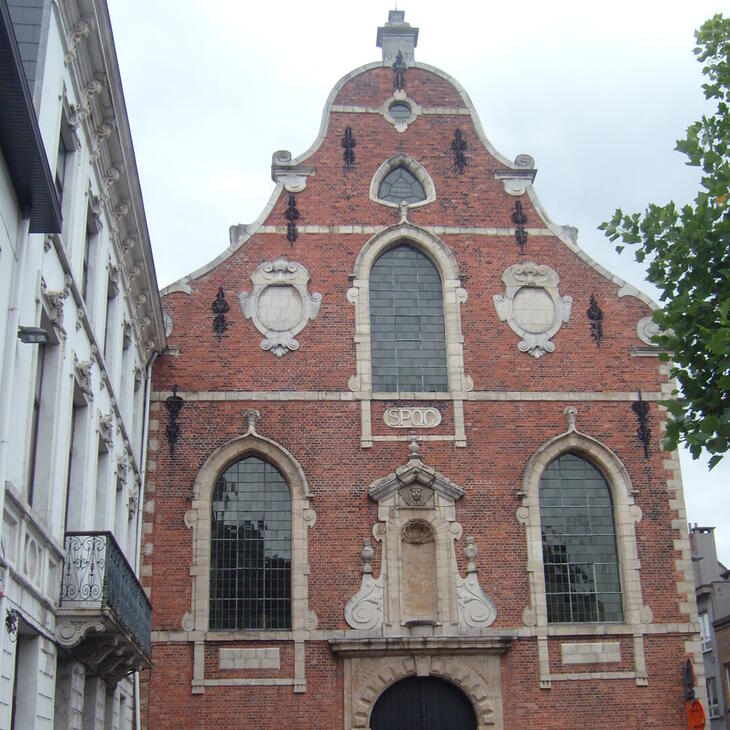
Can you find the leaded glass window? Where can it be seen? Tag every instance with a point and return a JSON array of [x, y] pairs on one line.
[[250, 560], [578, 543], [401, 185], [408, 346]]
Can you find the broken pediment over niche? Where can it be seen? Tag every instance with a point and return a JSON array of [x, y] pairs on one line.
[[532, 306], [280, 305], [415, 485]]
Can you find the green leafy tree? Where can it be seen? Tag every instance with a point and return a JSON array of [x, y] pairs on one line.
[[688, 255]]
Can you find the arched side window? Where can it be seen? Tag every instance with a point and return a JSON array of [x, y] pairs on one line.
[[582, 582], [407, 323], [401, 185], [250, 551]]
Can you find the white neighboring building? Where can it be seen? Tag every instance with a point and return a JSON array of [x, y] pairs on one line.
[[76, 273]]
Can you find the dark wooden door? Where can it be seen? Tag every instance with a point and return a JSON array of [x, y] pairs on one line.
[[423, 703]]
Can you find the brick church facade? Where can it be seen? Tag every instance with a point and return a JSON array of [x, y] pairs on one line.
[[405, 463]]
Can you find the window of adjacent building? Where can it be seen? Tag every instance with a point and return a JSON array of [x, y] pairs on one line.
[[36, 419], [110, 319], [705, 635], [408, 346], [102, 497], [25, 677], [77, 460], [578, 543], [713, 701], [92, 231], [63, 158], [401, 185], [250, 556]]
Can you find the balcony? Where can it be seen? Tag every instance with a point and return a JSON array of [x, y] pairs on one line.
[[104, 614]]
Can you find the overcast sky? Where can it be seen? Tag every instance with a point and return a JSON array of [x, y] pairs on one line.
[[596, 93]]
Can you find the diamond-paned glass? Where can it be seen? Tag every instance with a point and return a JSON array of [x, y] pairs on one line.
[[250, 548], [582, 582], [401, 185], [408, 342]]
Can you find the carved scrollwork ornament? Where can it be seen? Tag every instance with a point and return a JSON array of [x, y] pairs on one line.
[[79, 113], [533, 306], [106, 430], [54, 301], [82, 372], [74, 38], [103, 132], [476, 609], [365, 609], [111, 176], [280, 305]]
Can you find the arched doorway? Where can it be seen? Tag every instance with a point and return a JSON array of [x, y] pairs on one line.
[[423, 703]]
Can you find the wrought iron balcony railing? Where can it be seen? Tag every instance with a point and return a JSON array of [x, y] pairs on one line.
[[98, 578]]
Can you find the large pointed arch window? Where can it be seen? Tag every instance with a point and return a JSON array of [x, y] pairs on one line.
[[408, 346], [250, 557], [582, 582]]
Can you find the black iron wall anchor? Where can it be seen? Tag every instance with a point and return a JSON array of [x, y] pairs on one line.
[[400, 72], [174, 404], [348, 154], [220, 307], [595, 317], [643, 432], [292, 216], [519, 219], [458, 146]]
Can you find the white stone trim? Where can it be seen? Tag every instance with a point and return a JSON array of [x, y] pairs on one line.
[[414, 167], [400, 97], [626, 515], [590, 652], [573, 631], [475, 395], [533, 280], [273, 277], [198, 518]]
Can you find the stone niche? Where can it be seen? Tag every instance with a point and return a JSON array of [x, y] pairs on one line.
[[419, 590]]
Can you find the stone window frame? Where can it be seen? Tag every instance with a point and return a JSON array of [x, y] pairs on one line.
[[454, 295], [415, 168], [626, 513], [198, 518]]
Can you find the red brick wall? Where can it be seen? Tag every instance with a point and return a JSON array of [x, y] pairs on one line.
[[324, 436]]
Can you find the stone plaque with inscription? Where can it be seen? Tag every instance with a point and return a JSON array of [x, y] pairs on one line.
[[416, 417]]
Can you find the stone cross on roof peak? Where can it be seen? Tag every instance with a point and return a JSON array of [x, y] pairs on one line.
[[397, 35]]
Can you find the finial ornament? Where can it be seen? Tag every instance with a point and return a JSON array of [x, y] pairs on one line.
[[571, 413], [413, 451], [252, 417]]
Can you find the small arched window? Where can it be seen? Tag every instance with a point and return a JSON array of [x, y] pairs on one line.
[[250, 556], [401, 185], [408, 346], [582, 582]]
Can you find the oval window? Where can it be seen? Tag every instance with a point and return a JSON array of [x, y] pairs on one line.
[[400, 111]]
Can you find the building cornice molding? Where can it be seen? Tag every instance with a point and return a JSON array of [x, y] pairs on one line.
[[102, 117]]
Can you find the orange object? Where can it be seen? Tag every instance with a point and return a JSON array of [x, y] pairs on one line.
[[695, 715]]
